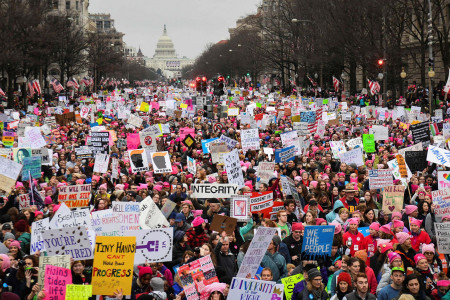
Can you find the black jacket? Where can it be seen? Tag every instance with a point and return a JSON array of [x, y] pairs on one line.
[[294, 247], [226, 261]]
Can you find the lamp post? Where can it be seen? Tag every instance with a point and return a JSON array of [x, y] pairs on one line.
[[431, 72], [402, 76]]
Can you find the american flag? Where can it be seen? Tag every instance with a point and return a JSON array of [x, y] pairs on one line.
[[311, 80], [2, 93], [374, 87], [313, 127], [91, 81], [336, 84], [85, 81], [31, 88], [73, 83], [37, 86], [265, 79], [56, 85]]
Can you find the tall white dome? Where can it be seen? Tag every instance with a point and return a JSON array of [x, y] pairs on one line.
[[165, 47]]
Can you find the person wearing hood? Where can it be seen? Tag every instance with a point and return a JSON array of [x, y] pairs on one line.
[[180, 246], [274, 260], [332, 215], [157, 285], [142, 283]]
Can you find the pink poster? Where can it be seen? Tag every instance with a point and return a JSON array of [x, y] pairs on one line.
[[133, 141], [55, 281]]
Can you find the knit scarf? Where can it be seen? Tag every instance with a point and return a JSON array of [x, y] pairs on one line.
[[317, 293]]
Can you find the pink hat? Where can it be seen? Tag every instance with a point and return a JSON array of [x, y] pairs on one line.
[[56, 207], [188, 202], [48, 200], [297, 178], [418, 257], [443, 283], [15, 244], [43, 185], [398, 223], [415, 221], [215, 287], [386, 247], [120, 186], [409, 209], [402, 237], [381, 242], [375, 226], [142, 186], [96, 178], [79, 181], [37, 213], [158, 188], [314, 184], [428, 248], [147, 174], [396, 214], [103, 186], [6, 262], [393, 256], [414, 188], [337, 227], [212, 179], [198, 221], [61, 184], [320, 221], [353, 221], [197, 213], [19, 185], [166, 184], [446, 217]]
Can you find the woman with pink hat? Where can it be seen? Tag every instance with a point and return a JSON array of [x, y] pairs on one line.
[[426, 276], [418, 236]]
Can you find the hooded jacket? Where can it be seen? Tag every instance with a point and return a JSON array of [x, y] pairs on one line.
[[331, 216]]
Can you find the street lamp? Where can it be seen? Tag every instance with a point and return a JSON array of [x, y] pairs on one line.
[[403, 73]]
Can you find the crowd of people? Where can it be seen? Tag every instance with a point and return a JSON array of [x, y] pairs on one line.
[[397, 259]]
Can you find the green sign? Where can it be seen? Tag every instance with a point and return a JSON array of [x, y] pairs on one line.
[[369, 143], [289, 283]]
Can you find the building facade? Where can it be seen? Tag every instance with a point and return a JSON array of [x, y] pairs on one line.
[[105, 27], [165, 60]]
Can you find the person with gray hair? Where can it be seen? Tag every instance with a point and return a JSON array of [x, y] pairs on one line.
[[225, 257]]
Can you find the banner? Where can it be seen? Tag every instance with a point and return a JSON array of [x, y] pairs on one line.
[[353, 156], [441, 201], [161, 162], [241, 288], [150, 215], [62, 261], [266, 171], [249, 140], [256, 252], [73, 241], [113, 264], [31, 167], [317, 241], [421, 133], [195, 276], [369, 143], [56, 279], [75, 195], [233, 168], [285, 154], [416, 160], [214, 190], [380, 178], [100, 142], [289, 283], [153, 245], [138, 160], [443, 237], [393, 198]]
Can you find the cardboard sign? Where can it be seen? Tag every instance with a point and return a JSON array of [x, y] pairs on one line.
[[289, 283], [56, 279], [62, 261], [233, 167], [443, 237], [214, 190], [241, 288], [73, 241], [421, 133], [138, 160], [369, 143], [441, 201], [378, 179], [65, 119], [153, 245], [220, 223], [9, 171], [416, 160], [402, 166], [113, 264], [161, 162], [256, 252], [317, 241], [393, 198], [75, 195]]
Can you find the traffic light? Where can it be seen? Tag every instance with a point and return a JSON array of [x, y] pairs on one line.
[[218, 87], [204, 84], [380, 63], [431, 62], [198, 84]]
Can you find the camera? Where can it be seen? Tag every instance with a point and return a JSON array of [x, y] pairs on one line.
[[197, 250]]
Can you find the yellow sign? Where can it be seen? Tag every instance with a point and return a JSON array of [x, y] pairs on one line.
[[183, 105], [78, 292], [145, 107], [113, 264]]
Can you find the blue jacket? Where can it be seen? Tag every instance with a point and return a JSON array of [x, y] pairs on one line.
[[334, 213]]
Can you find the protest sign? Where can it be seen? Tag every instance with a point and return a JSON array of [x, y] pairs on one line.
[[206, 144], [266, 171], [417, 147], [308, 117], [31, 168], [301, 128], [285, 154], [161, 162], [34, 138], [240, 208], [148, 141], [153, 245], [127, 214], [250, 139], [9, 171], [113, 264], [338, 148], [64, 218], [150, 215], [65, 119], [256, 252], [416, 160], [317, 241], [195, 276], [192, 167], [443, 179], [56, 279], [100, 142], [105, 223], [259, 201], [402, 166], [167, 208], [8, 139], [441, 201], [290, 139], [75, 195], [138, 160], [135, 121], [78, 292], [184, 131], [231, 144], [83, 152], [233, 168], [369, 143], [241, 288], [289, 283], [37, 242], [101, 162], [218, 150], [380, 133], [353, 143], [24, 201], [392, 164], [443, 237], [221, 223], [62, 261], [393, 198], [353, 156], [421, 133], [73, 241], [44, 154], [378, 179], [214, 190], [438, 156]]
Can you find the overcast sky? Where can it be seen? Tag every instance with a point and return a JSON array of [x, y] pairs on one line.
[[192, 24]]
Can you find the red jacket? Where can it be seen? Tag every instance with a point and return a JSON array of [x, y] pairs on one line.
[[372, 279], [357, 242], [370, 245], [417, 240]]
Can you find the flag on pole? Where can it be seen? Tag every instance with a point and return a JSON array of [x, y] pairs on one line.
[[311, 80], [37, 86], [34, 195], [374, 87], [31, 88], [447, 85], [56, 85], [73, 83], [336, 84], [2, 93]]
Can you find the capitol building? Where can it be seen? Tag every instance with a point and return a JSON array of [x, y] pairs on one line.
[[166, 59]]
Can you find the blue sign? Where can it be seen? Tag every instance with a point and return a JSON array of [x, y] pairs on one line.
[[285, 154], [206, 143], [31, 166], [364, 230], [317, 240], [308, 116]]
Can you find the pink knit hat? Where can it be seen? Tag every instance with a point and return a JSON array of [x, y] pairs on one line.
[[386, 229], [402, 237], [120, 187], [409, 209], [337, 227], [79, 181], [396, 214], [215, 287], [158, 188], [96, 178], [418, 257], [428, 248], [386, 247], [198, 221], [353, 221], [103, 186], [19, 185], [375, 226], [48, 200], [393, 256], [15, 244], [398, 223], [415, 222]]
